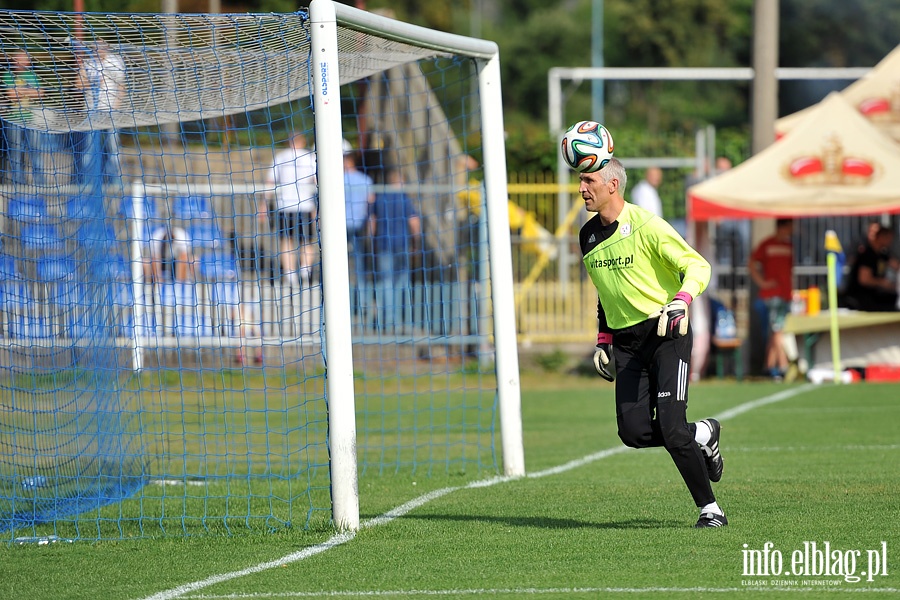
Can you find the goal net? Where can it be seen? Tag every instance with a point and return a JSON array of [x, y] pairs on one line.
[[245, 260]]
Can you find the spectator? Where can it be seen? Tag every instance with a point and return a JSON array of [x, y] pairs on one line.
[[359, 200], [101, 79], [170, 255], [172, 276], [871, 284], [871, 231], [723, 163], [396, 233], [771, 268], [722, 244], [646, 195], [293, 179], [24, 140], [470, 202], [226, 294]]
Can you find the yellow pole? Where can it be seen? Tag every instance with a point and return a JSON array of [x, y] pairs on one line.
[[833, 248]]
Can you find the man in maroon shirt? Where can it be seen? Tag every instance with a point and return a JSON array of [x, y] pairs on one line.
[[771, 268]]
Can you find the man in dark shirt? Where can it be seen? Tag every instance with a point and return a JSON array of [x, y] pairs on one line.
[[869, 284]]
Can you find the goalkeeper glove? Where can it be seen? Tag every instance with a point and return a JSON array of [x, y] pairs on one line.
[[673, 317], [603, 357]]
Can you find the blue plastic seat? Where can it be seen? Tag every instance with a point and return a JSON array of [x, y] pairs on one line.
[[9, 271], [113, 268], [27, 209], [126, 208], [58, 273], [221, 270], [192, 207], [218, 266], [97, 236], [41, 237], [85, 207], [55, 268], [205, 234]]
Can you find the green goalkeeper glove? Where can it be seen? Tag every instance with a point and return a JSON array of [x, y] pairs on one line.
[[603, 357], [673, 317]]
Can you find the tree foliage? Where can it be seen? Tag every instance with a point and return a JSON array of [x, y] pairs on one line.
[[827, 33], [536, 35]]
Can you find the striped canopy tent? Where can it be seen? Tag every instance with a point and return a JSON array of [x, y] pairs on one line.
[[835, 162], [876, 96]]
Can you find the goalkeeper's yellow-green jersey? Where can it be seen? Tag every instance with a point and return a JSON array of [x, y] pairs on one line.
[[641, 266]]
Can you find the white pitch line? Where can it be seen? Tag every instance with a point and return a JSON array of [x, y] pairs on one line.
[[536, 591], [748, 406], [403, 509], [181, 590]]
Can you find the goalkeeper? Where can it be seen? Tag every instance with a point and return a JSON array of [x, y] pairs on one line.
[[646, 276]]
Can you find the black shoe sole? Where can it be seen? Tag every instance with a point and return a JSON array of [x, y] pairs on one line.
[[715, 470]]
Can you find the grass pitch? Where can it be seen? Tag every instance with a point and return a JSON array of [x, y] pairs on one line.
[[821, 465]]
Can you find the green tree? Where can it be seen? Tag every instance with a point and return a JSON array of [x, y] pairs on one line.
[[837, 34], [536, 35], [819, 33], [677, 33]]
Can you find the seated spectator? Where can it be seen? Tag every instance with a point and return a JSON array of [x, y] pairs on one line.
[[170, 250], [871, 231], [172, 276], [871, 284]]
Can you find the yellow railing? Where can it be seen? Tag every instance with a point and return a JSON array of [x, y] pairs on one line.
[[551, 306]]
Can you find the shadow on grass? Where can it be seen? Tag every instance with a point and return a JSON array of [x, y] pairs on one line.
[[552, 523]]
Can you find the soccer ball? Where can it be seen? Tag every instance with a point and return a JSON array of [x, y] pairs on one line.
[[587, 146]]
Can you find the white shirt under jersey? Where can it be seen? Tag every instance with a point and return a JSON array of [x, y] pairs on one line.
[[294, 175]]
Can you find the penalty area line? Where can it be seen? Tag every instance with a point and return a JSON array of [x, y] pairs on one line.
[[395, 513]]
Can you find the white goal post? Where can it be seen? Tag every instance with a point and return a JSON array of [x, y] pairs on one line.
[[325, 16]]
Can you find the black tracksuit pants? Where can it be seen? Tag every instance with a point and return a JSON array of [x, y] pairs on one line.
[[652, 377]]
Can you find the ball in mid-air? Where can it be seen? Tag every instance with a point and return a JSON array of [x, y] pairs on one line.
[[587, 146]]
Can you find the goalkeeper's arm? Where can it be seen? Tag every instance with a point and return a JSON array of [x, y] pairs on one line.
[[603, 353]]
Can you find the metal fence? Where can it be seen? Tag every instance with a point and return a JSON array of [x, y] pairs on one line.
[[553, 309], [555, 300]]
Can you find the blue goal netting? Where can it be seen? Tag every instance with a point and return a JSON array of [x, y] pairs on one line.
[[162, 361]]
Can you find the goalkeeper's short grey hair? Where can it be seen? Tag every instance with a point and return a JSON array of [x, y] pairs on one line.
[[614, 169]]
